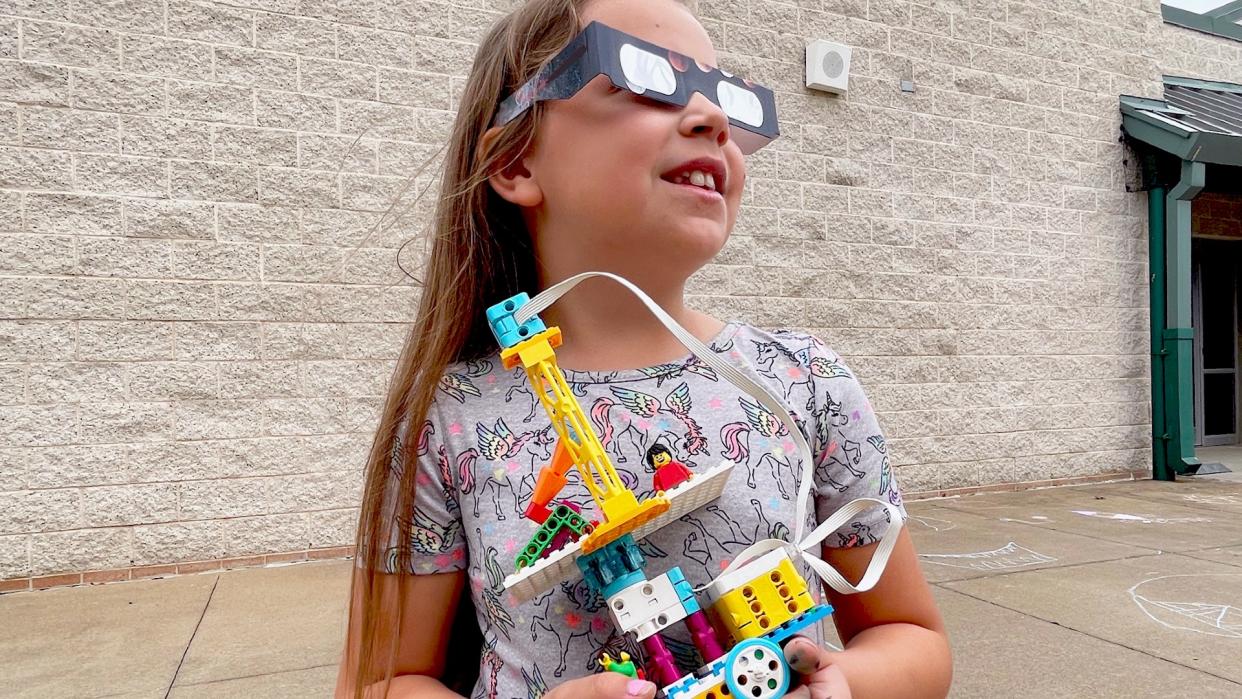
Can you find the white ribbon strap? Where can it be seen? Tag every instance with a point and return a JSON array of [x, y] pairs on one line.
[[806, 547]]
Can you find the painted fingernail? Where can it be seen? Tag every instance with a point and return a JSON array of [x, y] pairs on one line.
[[637, 688], [801, 655]]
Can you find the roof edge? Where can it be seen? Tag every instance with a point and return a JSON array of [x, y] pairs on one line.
[[1150, 104], [1199, 83]]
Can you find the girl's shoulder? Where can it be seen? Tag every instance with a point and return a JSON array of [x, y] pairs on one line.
[[782, 347], [467, 386], [475, 378]]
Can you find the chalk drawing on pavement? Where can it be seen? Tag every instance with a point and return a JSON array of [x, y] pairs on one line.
[[1166, 601], [1007, 557], [1035, 519], [1140, 519], [934, 523], [1203, 499]]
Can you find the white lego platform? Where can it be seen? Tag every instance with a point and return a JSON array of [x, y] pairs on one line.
[[686, 497]]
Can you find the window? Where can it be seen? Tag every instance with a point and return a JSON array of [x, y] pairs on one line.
[[1219, 17]]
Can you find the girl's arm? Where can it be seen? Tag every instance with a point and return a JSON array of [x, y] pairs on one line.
[[894, 636], [430, 602]]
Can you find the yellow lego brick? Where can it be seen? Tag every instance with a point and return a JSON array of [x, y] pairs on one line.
[[624, 519], [534, 349], [763, 603], [715, 691]]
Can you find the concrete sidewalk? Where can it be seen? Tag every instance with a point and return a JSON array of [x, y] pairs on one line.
[[1123, 589]]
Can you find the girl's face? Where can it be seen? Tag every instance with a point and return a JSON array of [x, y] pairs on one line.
[[612, 169]]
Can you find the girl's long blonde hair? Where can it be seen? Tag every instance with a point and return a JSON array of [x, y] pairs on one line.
[[481, 254]]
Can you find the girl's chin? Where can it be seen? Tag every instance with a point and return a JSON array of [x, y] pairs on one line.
[[691, 245]]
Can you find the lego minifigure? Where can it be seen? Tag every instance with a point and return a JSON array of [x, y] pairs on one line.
[[625, 666], [668, 473]]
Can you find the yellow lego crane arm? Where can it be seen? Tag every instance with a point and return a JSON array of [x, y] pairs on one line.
[[620, 510]]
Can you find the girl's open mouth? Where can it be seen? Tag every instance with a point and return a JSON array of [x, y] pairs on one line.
[[703, 193], [704, 174]]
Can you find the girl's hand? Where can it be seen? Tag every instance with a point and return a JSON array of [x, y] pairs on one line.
[[605, 685], [820, 678]]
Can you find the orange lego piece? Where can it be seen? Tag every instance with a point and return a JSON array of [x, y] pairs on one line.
[[551, 479]]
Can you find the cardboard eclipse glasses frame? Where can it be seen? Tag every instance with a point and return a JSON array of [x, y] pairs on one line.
[[653, 72]]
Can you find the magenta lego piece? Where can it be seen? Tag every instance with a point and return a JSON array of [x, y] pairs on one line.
[[704, 637], [660, 666]]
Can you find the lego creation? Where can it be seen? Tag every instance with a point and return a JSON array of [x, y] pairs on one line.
[[751, 609]]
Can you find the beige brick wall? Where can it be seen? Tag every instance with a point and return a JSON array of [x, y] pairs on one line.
[[191, 357]]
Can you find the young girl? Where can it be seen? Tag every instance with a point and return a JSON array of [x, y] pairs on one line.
[[603, 178]]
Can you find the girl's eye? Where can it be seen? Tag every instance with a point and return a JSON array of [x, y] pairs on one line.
[[641, 99], [649, 101]]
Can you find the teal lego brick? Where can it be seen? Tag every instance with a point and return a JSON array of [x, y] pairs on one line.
[[685, 591], [505, 328], [614, 567]]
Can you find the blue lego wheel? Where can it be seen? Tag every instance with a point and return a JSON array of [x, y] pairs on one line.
[[756, 669]]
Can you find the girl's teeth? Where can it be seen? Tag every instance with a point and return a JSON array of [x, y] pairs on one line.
[[697, 178]]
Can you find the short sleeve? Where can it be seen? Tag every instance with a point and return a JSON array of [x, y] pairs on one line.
[[851, 457], [435, 542]]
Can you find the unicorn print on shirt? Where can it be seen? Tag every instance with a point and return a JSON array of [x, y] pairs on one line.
[[513, 459], [773, 444]]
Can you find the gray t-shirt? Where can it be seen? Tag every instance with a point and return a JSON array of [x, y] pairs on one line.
[[487, 436]]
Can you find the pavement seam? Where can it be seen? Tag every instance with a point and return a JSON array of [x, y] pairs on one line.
[[1046, 528], [1197, 506], [258, 674], [1191, 554], [186, 652], [1049, 528], [1090, 635], [1151, 552]]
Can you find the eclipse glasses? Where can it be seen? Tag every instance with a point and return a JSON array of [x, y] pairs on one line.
[[652, 71]]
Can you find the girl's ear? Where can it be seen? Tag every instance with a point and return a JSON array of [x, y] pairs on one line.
[[514, 182]]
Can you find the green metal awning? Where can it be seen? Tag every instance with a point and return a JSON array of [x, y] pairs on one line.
[[1219, 17], [1197, 125], [1197, 121]]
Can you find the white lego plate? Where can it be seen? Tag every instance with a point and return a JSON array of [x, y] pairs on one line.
[[686, 497]]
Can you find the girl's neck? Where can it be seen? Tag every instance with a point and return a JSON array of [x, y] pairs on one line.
[[606, 328]]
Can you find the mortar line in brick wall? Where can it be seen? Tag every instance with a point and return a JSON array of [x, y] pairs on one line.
[[1016, 383], [311, 20], [213, 45], [159, 571], [192, 280], [130, 526], [1033, 355], [1002, 407], [1116, 476]]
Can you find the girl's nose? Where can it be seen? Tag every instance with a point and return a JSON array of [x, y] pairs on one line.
[[702, 117]]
